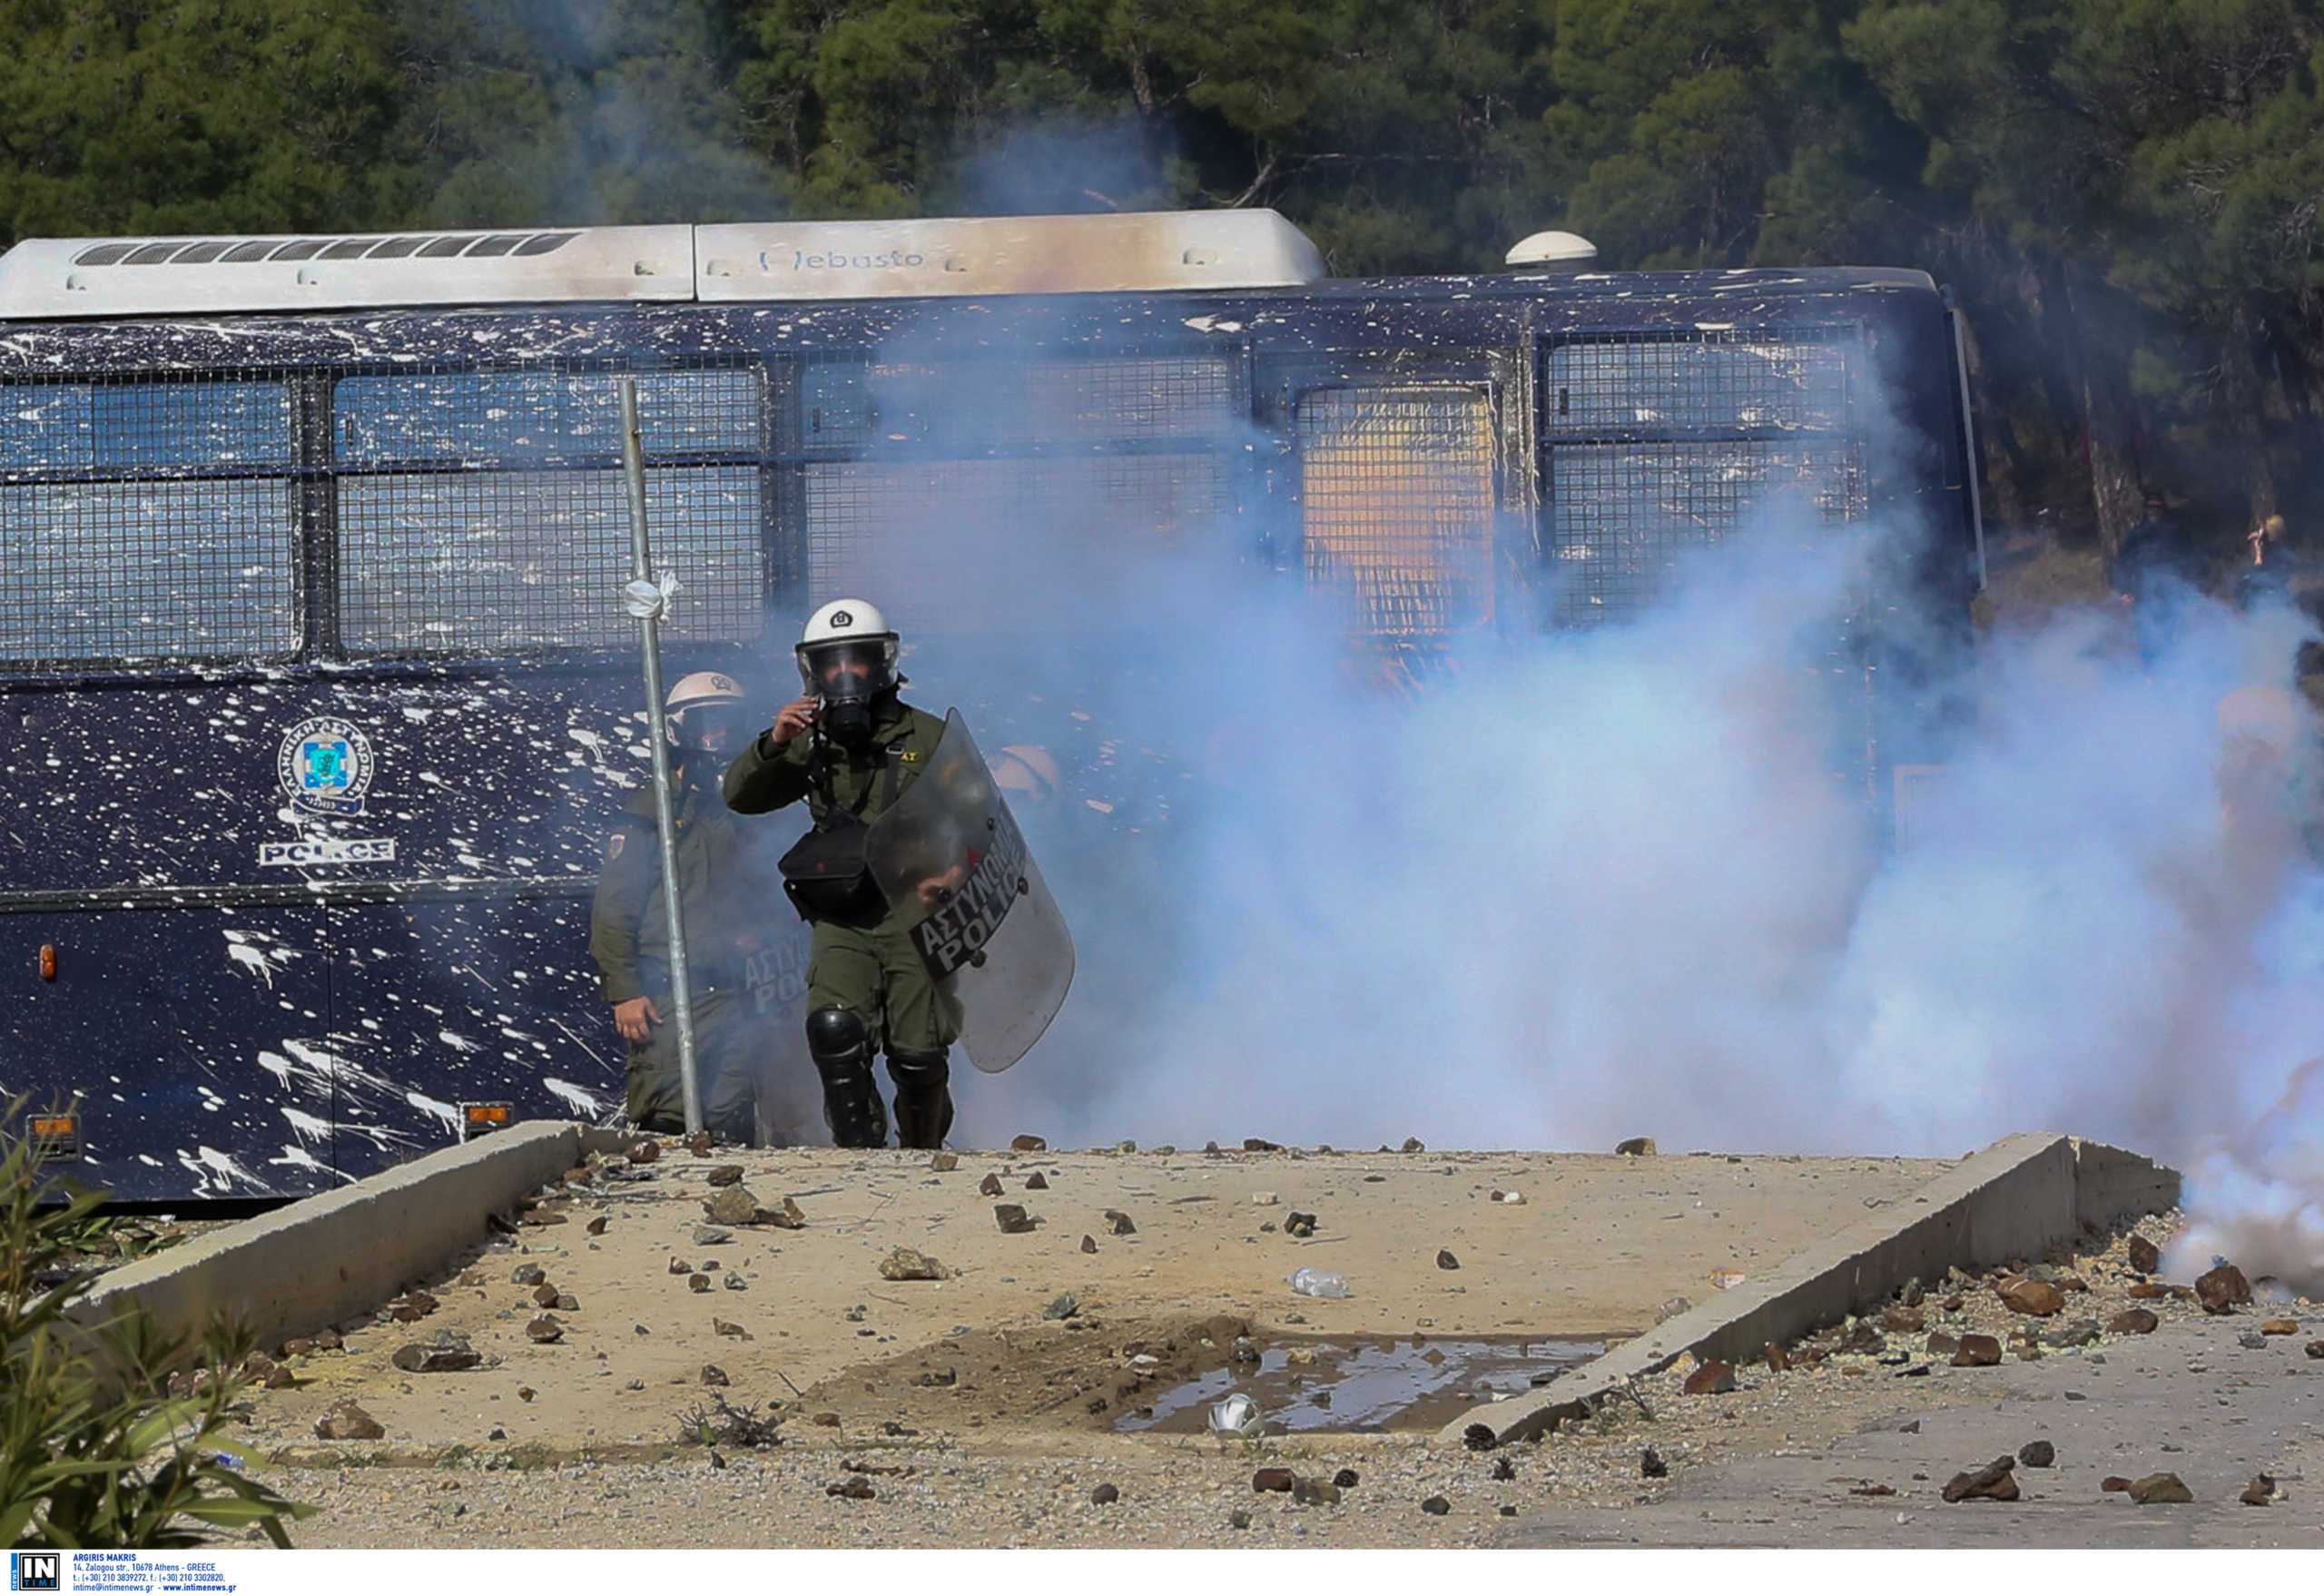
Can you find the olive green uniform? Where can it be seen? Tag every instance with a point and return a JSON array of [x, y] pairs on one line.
[[872, 972], [755, 1083]]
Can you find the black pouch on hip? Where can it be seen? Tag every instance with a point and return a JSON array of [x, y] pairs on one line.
[[825, 874]]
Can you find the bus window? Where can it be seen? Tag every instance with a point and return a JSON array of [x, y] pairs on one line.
[[123, 506], [447, 543], [515, 417], [1396, 490], [1655, 444], [481, 561], [896, 466]]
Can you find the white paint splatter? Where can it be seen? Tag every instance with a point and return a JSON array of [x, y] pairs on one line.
[[580, 1099], [309, 1126], [428, 1105]]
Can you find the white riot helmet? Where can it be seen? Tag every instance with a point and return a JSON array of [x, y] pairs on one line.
[[705, 712], [847, 658]]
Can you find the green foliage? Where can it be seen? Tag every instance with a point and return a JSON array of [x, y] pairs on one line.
[[94, 1451]]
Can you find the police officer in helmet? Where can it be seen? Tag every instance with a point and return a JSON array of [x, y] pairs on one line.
[[848, 746], [722, 886]]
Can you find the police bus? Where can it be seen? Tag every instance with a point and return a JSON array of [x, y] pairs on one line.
[[318, 693]]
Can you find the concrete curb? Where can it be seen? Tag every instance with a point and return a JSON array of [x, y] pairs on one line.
[[330, 1257], [2018, 1198]]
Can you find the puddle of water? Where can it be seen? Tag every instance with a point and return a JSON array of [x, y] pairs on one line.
[[1365, 1384]]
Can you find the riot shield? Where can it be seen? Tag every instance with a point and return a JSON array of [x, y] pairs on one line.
[[955, 868]]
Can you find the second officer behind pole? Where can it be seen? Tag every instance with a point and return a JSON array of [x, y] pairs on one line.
[[849, 747]]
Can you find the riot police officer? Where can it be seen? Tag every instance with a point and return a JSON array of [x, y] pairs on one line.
[[850, 746], [746, 1066]]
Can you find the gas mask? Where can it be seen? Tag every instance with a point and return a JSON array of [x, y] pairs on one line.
[[847, 678], [715, 729]]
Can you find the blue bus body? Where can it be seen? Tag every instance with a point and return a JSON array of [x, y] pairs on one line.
[[315, 701]]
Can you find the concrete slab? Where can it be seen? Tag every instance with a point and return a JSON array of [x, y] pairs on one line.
[[2018, 1198], [331, 1257]]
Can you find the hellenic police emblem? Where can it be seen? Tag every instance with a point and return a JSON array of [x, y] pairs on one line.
[[325, 766]]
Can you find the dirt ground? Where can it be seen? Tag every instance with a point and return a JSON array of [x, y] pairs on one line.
[[957, 1413]]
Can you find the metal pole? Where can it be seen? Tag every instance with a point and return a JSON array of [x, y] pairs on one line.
[[648, 599]]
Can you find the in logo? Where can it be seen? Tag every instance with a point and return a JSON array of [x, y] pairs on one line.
[[35, 1570], [324, 767]]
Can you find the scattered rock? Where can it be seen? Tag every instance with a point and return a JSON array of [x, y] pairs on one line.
[[1298, 1224], [525, 1394], [1977, 1352], [1445, 1260], [727, 1327], [2157, 1488], [906, 1264], [2037, 1454], [1905, 1321], [990, 1186], [1436, 1506], [1651, 1466], [2260, 1492], [1714, 1378], [1951, 1304], [697, 1282], [1064, 1305], [1637, 1147], [298, 1346], [1347, 1479], [1029, 1144], [731, 1205], [1309, 1492], [1993, 1483], [1105, 1495], [343, 1421], [544, 1330], [2132, 1322], [711, 1236], [826, 1420], [1119, 1223], [1673, 1309], [2281, 1327], [1274, 1480], [855, 1488], [2314, 1349], [415, 1359], [936, 1379], [644, 1152], [734, 1282], [2250, 1342], [1240, 1518], [2145, 1257], [2074, 1283], [544, 1295], [597, 1226], [1775, 1357], [1863, 1340], [1089, 1244], [1942, 1345], [1012, 1218], [2079, 1333], [2221, 1290], [2037, 1298], [943, 1162], [725, 1175], [1036, 1181], [701, 1143], [2148, 1291], [711, 1375], [2113, 1482], [1479, 1438]]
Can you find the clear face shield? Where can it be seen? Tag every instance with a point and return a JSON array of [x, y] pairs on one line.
[[719, 727], [844, 677]]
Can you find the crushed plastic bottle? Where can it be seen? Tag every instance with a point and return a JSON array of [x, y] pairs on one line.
[[1237, 1416], [1319, 1282]]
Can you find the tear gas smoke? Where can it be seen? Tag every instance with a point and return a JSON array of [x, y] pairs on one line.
[[1591, 884]]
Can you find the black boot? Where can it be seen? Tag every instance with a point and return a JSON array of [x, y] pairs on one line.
[[923, 1097], [841, 1050]]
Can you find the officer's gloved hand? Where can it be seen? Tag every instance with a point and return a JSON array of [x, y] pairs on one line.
[[636, 1018]]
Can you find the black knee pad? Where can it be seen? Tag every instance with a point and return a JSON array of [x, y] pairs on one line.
[[919, 1072], [838, 1035], [923, 1097]]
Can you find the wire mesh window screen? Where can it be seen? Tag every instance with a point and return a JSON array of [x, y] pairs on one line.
[[1654, 446], [146, 521], [1396, 487], [517, 418], [1712, 381], [1625, 514], [920, 537], [492, 560], [160, 570], [999, 403]]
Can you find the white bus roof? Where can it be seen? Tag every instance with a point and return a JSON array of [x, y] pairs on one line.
[[770, 260]]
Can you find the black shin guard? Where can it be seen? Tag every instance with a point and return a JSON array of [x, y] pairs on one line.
[[923, 1097], [841, 1050]]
